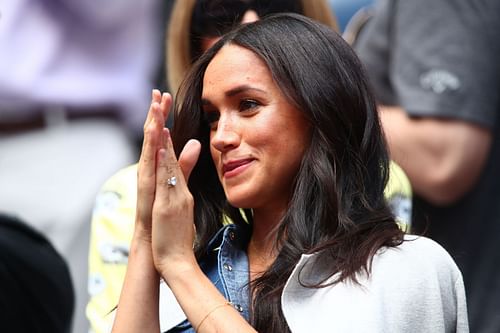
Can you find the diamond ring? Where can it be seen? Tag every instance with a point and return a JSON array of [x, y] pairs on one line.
[[172, 181]]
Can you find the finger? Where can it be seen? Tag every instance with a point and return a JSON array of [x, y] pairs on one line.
[[166, 104], [189, 156], [152, 136], [147, 161], [168, 166], [155, 98], [146, 176]]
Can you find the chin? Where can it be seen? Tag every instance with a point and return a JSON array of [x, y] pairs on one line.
[[239, 203], [240, 200]]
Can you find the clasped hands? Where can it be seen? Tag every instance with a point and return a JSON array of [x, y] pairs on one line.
[[165, 211]]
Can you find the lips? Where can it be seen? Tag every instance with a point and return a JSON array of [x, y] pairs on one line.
[[234, 167]]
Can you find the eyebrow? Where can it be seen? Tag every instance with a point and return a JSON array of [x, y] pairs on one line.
[[234, 91]]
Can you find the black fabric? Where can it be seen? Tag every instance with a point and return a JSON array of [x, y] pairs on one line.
[[36, 292], [213, 18]]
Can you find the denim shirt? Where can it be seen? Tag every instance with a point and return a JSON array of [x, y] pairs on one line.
[[226, 265]]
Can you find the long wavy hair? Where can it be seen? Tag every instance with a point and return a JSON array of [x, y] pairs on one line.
[[337, 209]]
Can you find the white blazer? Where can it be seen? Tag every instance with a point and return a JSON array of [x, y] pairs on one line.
[[415, 287]]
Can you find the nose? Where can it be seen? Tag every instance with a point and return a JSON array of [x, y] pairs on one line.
[[226, 136]]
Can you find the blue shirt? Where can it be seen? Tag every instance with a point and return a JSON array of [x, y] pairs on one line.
[[226, 265]]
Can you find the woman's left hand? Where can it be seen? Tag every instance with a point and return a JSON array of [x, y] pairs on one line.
[[173, 231]]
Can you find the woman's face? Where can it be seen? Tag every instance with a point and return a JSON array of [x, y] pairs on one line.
[[257, 137]]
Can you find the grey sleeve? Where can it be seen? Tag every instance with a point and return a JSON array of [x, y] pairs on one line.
[[441, 58], [461, 316], [373, 48], [434, 296]]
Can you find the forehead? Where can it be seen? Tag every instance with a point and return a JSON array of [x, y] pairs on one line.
[[235, 65]]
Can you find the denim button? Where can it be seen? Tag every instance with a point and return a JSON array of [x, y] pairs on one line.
[[238, 307], [232, 236], [228, 267]]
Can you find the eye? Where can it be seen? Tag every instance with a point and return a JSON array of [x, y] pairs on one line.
[[248, 104]]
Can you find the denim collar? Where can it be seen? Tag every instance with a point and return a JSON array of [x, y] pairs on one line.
[[226, 265]]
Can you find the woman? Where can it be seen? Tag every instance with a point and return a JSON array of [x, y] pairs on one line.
[[194, 25], [277, 118]]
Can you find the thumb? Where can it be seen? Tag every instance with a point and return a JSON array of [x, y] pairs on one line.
[[189, 157]]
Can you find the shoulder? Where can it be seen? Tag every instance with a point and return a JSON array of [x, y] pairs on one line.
[[414, 246], [413, 287], [419, 275], [422, 284], [418, 259]]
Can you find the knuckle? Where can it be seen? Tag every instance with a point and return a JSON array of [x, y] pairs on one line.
[[162, 163], [189, 198], [187, 202], [148, 131], [172, 164]]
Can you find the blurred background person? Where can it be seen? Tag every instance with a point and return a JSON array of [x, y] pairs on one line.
[[435, 69], [195, 25], [75, 78], [346, 9], [35, 284]]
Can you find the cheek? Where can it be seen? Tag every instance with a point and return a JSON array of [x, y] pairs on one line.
[[283, 151], [291, 152], [287, 136], [294, 144]]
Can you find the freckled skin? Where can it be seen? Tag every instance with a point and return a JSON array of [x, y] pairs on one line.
[[272, 133]]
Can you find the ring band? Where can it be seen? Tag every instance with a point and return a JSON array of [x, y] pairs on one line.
[[172, 181]]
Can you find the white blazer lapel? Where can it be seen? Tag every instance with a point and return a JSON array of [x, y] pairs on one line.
[[171, 313]]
